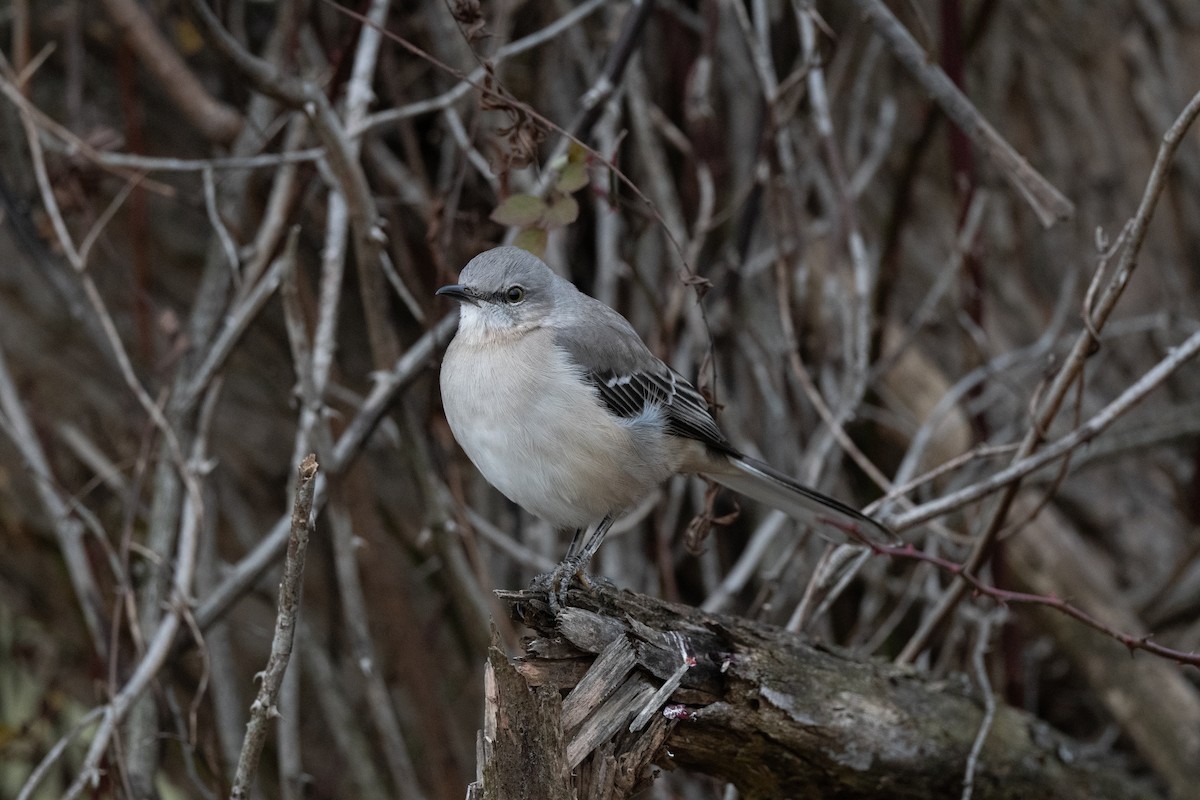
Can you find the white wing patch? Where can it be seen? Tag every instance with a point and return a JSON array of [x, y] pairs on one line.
[[683, 408]]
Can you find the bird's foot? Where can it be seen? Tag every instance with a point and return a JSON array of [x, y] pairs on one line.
[[557, 582]]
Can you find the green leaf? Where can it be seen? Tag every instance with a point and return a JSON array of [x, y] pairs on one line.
[[573, 177], [533, 240], [519, 209], [562, 212]]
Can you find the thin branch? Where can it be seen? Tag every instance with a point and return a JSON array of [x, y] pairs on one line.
[[163, 164], [214, 119], [1072, 368], [263, 710], [77, 259], [502, 96], [236, 323], [979, 666], [56, 752], [151, 662], [341, 153], [1012, 475], [68, 530], [1007, 597], [354, 613], [1047, 202], [243, 575], [228, 245], [475, 78]]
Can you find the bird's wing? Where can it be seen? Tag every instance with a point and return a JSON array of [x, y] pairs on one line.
[[630, 380]]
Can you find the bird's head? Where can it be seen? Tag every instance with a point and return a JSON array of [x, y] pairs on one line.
[[505, 290]]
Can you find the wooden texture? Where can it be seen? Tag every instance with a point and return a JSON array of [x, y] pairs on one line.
[[765, 710]]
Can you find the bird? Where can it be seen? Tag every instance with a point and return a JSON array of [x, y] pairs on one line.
[[562, 407]]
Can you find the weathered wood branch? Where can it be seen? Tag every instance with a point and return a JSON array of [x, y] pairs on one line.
[[747, 703]]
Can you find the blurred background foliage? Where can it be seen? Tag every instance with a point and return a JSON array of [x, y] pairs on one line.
[[884, 265]]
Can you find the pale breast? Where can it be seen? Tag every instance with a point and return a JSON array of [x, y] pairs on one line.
[[540, 435]]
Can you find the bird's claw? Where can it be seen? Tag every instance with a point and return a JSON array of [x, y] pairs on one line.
[[557, 582]]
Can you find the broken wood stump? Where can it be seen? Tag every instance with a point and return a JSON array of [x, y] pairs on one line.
[[617, 685]]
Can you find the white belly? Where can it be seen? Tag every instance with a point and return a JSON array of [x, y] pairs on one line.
[[557, 453]]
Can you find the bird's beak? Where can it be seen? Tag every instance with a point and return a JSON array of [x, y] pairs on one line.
[[459, 292]]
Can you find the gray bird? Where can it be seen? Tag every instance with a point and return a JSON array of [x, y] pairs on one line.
[[558, 402]]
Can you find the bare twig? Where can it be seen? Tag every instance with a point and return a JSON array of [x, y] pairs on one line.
[[1047, 202], [354, 605], [1011, 475], [472, 81], [502, 96], [55, 753], [151, 662], [341, 155], [263, 710], [983, 636], [14, 421], [214, 119], [1007, 597], [1070, 372], [243, 575], [236, 323], [615, 62], [228, 245]]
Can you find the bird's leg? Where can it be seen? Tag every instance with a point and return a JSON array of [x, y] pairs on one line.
[[593, 542], [576, 538], [558, 580]]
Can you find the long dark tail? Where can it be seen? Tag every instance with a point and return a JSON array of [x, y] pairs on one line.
[[831, 518]]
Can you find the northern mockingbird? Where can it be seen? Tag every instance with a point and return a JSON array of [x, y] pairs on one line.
[[562, 407]]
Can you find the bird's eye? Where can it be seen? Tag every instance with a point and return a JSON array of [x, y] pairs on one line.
[[514, 294]]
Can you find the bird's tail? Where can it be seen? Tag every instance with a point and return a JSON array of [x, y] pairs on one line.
[[833, 519]]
